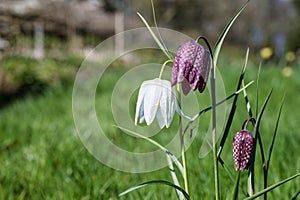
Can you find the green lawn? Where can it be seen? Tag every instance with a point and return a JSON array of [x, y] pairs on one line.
[[41, 156]]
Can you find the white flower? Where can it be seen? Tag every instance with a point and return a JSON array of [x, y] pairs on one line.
[[156, 99]]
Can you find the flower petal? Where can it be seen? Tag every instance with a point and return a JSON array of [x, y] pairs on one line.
[[242, 149], [163, 107], [185, 87], [166, 108], [151, 99], [175, 70], [171, 106], [142, 117], [191, 63], [139, 110], [161, 120], [204, 70]]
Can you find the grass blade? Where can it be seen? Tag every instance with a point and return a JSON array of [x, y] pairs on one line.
[[162, 182], [272, 187], [235, 192], [172, 157], [158, 32], [274, 135], [220, 102], [161, 46], [257, 86], [174, 178], [294, 197], [217, 49], [233, 107], [256, 136], [220, 41], [266, 169], [256, 128]]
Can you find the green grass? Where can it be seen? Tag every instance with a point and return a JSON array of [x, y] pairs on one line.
[[41, 156]]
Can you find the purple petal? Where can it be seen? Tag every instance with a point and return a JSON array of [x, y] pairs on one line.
[[242, 149], [191, 63], [175, 70], [185, 87], [205, 68]]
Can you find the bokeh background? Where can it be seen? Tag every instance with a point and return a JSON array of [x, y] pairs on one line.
[[42, 45]]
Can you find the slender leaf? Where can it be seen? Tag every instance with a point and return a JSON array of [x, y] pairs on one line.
[[274, 135], [235, 192], [220, 102], [272, 187], [174, 178], [233, 107], [226, 169], [157, 30], [220, 41], [162, 182], [217, 49], [256, 136], [161, 46], [266, 167], [294, 197], [173, 158], [257, 86], [248, 105], [262, 112], [170, 159]]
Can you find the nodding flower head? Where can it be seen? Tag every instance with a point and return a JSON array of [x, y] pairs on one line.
[[242, 149], [191, 67], [156, 99]]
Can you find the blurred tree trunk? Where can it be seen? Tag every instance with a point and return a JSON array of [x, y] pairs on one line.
[[75, 43], [119, 27], [38, 51]]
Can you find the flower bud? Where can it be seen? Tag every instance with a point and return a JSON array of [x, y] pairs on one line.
[[191, 67], [242, 149]]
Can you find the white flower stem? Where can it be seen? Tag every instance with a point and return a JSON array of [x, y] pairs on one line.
[[185, 177], [163, 67]]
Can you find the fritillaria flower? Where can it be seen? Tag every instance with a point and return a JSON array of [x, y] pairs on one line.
[[242, 149], [156, 99], [191, 67]]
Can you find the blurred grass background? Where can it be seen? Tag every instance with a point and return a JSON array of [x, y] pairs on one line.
[[41, 156]]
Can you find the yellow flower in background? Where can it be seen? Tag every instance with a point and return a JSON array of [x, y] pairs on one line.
[[290, 56], [266, 53], [287, 71]]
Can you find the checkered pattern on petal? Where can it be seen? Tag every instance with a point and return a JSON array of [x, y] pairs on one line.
[[191, 63], [242, 149]]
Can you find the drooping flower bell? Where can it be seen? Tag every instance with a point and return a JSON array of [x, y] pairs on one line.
[[191, 67], [242, 149], [156, 99]]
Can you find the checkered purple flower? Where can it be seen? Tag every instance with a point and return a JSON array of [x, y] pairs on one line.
[[242, 149], [191, 67]]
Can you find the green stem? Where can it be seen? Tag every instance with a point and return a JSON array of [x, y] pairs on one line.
[[214, 139], [185, 177], [272, 187], [163, 67]]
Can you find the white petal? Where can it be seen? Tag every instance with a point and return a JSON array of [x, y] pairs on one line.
[[168, 108], [151, 99], [164, 100], [171, 106], [139, 110], [142, 117], [161, 120]]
